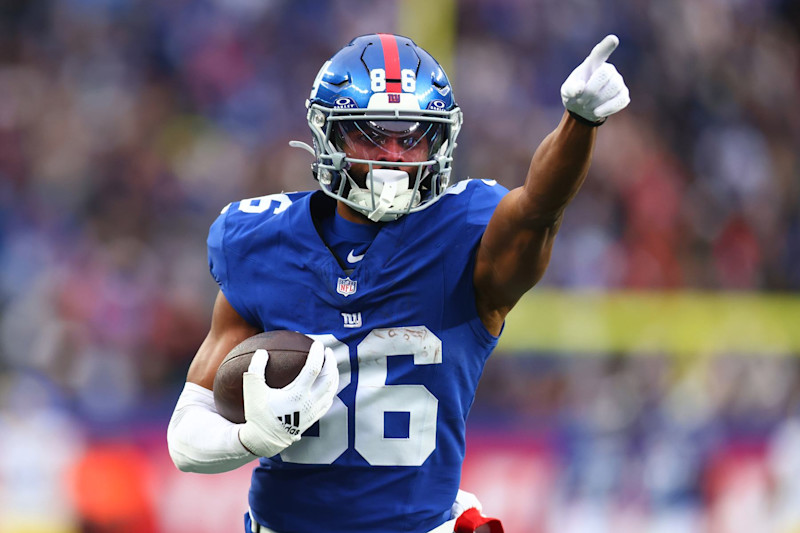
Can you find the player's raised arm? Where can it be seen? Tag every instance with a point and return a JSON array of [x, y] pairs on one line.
[[515, 249]]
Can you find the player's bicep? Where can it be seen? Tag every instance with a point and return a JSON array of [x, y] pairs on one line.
[[512, 256], [227, 330]]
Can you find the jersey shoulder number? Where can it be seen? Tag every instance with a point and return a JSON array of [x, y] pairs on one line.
[[240, 234], [271, 203], [241, 223]]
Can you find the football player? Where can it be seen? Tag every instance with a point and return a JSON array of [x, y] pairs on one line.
[[401, 276]]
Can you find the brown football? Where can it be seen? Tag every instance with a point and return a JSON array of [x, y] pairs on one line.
[[288, 351]]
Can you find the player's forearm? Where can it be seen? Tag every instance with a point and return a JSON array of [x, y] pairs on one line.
[[557, 170], [199, 439]]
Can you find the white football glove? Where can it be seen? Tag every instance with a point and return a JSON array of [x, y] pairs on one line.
[[275, 418], [595, 89]]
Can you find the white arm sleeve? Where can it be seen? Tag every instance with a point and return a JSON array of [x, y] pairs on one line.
[[200, 439]]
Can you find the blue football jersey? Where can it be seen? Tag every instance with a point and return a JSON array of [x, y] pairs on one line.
[[408, 341]]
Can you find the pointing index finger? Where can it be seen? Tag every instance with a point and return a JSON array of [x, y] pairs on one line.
[[602, 51]]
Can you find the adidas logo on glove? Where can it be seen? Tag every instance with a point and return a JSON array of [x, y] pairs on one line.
[[291, 423]]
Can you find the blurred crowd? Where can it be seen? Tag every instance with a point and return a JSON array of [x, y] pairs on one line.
[[644, 444], [126, 125]]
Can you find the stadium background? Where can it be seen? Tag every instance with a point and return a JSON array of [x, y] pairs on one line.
[[650, 383]]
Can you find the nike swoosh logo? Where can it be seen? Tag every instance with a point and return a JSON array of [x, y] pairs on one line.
[[353, 258]]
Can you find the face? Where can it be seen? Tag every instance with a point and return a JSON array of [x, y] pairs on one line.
[[404, 143]]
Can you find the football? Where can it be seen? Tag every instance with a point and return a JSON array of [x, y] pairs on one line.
[[288, 351]]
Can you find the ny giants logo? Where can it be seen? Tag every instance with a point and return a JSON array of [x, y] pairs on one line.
[[394, 98], [352, 320]]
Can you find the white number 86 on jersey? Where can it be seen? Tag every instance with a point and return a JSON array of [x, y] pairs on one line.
[[373, 399]]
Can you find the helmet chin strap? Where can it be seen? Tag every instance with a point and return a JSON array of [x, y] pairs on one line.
[[386, 189]]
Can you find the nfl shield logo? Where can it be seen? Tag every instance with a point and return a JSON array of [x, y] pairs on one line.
[[346, 286]]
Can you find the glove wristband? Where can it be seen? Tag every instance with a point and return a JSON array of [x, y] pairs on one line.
[[586, 121]]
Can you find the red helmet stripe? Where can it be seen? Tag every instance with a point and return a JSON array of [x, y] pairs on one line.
[[391, 60]]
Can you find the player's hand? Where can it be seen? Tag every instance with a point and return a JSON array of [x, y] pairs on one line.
[[595, 89], [275, 418]]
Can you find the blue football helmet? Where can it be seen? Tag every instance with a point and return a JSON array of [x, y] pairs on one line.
[[384, 126]]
